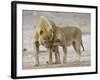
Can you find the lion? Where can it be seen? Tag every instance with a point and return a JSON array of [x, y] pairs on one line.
[[52, 36]]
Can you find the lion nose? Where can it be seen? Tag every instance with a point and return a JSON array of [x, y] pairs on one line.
[[42, 44]]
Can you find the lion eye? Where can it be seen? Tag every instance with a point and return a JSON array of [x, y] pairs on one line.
[[41, 32], [57, 40]]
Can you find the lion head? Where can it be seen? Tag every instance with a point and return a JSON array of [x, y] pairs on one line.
[[45, 29]]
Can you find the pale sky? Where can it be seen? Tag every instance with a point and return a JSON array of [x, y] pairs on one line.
[[30, 19]]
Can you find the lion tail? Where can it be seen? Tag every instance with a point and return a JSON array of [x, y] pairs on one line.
[[82, 46]]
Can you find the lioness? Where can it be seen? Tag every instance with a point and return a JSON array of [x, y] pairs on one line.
[[52, 36]]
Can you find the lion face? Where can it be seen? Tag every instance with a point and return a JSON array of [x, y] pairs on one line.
[[45, 38], [45, 31]]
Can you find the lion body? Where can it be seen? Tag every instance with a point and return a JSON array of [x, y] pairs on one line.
[[67, 35]]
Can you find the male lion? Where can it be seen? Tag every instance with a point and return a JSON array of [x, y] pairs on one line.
[[52, 36]]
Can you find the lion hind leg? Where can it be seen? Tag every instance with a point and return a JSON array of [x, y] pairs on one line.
[[77, 49]]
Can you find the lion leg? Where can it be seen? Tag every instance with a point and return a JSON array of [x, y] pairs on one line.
[[77, 49], [57, 56], [50, 57], [65, 54], [37, 53]]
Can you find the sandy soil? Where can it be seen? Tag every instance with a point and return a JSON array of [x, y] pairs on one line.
[[28, 62]]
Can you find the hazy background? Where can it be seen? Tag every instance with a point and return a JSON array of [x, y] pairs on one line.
[[29, 21]]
